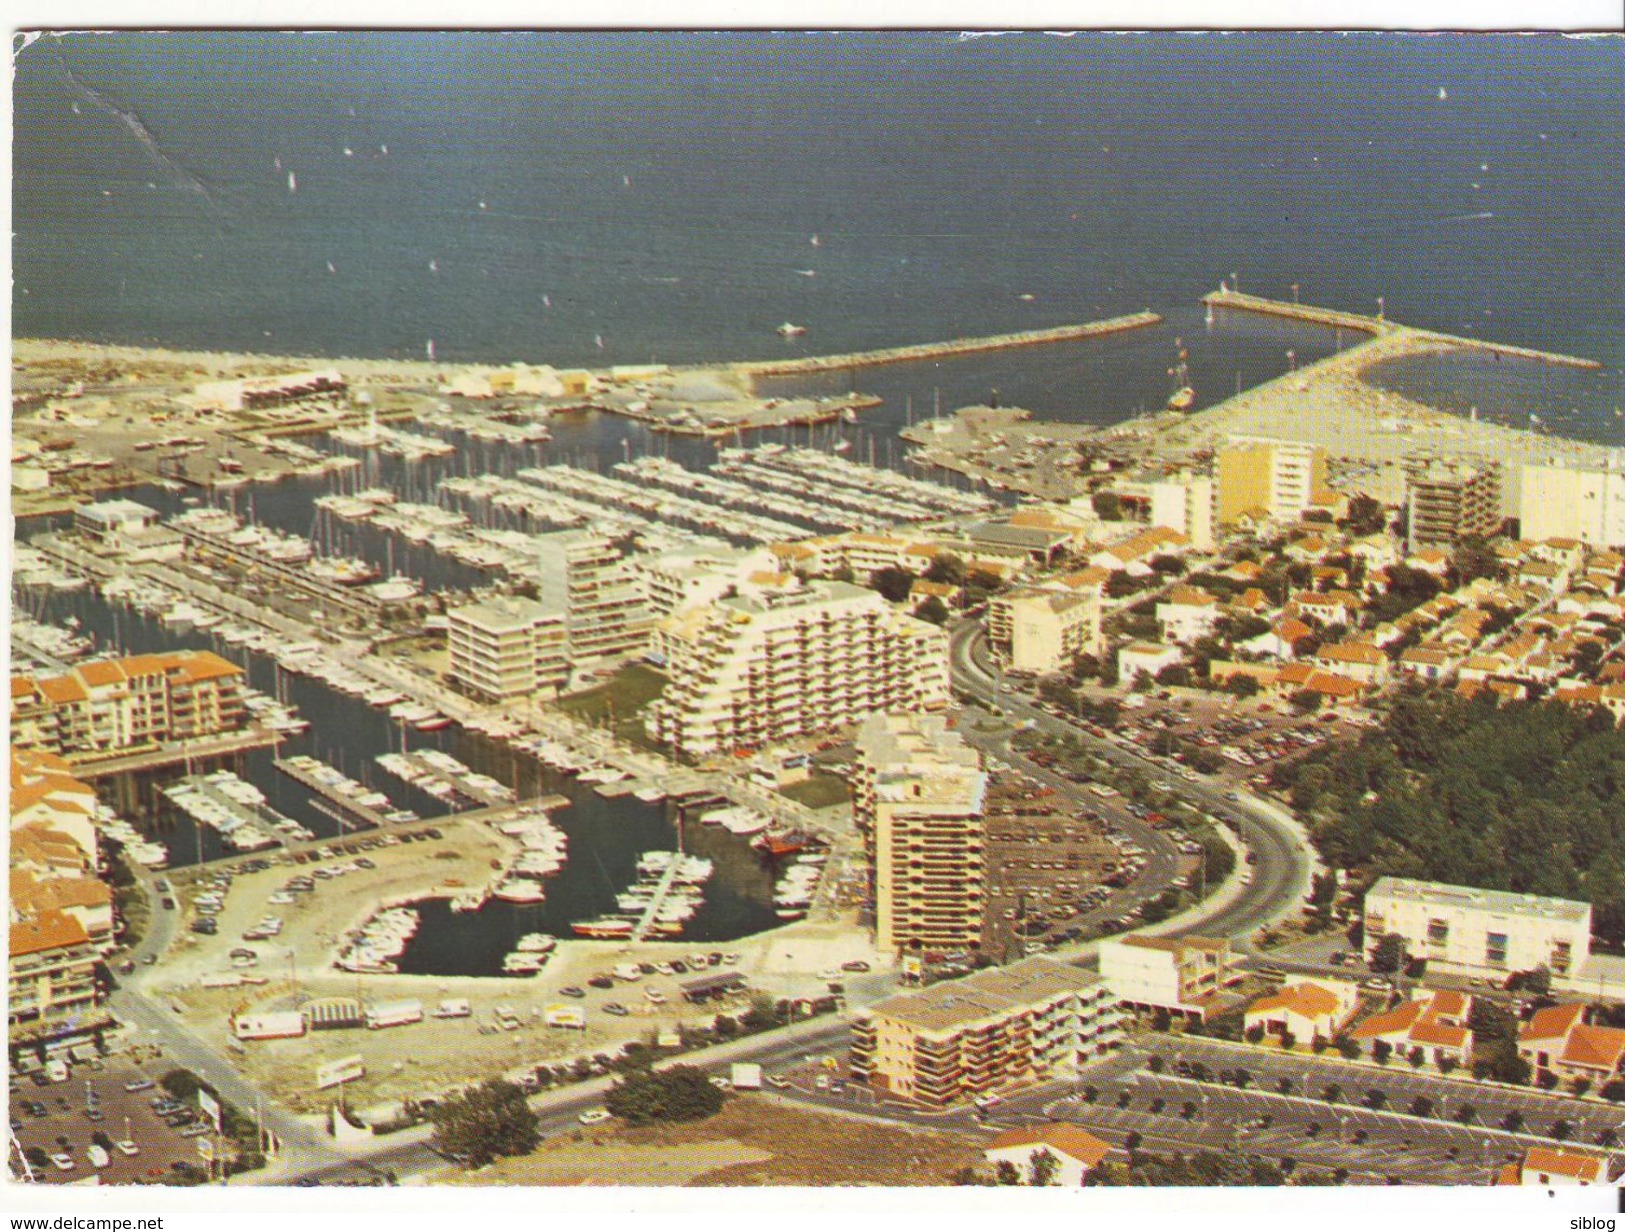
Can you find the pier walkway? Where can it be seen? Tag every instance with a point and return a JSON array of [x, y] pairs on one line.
[[935, 350], [1377, 326], [178, 753], [330, 793], [640, 931]]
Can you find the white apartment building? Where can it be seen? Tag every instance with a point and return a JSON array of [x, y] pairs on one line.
[[507, 647], [1484, 932], [589, 581], [919, 794], [1182, 976], [1042, 629], [673, 581], [754, 668], [1187, 614], [1563, 502], [1185, 504]]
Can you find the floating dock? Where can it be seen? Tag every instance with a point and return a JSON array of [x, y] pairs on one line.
[[937, 350]]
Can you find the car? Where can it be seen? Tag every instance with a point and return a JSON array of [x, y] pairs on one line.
[[647, 969], [777, 1081], [855, 964], [35, 1109], [196, 1130], [821, 1082], [1377, 984], [601, 981], [127, 1147], [679, 967], [168, 903], [594, 1116], [615, 1009], [655, 996], [148, 960], [570, 990], [63, 1162]]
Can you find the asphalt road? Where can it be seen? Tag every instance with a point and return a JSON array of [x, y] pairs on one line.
[[1284, 862]]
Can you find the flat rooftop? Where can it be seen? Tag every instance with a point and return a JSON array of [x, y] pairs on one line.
[[1500, 902], [987, 994]]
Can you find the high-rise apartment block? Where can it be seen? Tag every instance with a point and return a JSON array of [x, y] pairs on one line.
[[918, 796], [1279, 479], [1571, 502], [753, 668], [1448, 501], [589, 581]]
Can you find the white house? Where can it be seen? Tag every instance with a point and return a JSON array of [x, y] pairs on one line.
[[1075, 1149]]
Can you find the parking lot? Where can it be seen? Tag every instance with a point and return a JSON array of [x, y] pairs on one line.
[[1047, 863], [56, 1120], [1378, 1124]]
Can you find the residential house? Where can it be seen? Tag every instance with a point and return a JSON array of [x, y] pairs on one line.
[[1433, 1020], [1076, 1151], [1303, 1010]]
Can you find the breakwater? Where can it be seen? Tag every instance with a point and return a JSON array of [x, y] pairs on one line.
[[952, 346]]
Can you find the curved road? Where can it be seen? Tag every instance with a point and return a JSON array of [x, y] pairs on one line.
[[1284, 861]]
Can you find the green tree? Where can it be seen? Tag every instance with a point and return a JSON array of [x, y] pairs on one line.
[[483, 1122], [1042, 1167], [946, 568], [1389, 956], [1007, 1173], [1242, 685], [1306, 701], [893, 583], [680, 1093], [1107, 505]]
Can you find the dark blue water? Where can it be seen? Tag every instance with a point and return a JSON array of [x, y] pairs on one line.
[[662, 190]]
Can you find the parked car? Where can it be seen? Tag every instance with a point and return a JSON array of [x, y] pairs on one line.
[[592, 1116]]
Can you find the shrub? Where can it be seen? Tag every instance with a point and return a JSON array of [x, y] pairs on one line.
[[1348, 1048], [1381, 1051], [1255, 1033]]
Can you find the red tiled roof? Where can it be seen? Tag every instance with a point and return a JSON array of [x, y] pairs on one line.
[[1551, 1161], [1072, 1140], [1553, 1022]]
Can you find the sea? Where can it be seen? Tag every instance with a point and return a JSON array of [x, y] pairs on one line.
[[621, 197]]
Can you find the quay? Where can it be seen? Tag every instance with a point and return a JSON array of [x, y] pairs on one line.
[[285, 855], [177, 754], [953, 346], [1377, 326]]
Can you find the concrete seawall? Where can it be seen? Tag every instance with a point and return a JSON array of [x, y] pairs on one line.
[[953, 346], [1377, 326]]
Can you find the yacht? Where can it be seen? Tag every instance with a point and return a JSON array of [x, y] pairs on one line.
[[788, 330], [519, 890]]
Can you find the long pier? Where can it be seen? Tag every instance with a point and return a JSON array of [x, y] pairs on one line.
[[952, 346], [1378, 326]]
